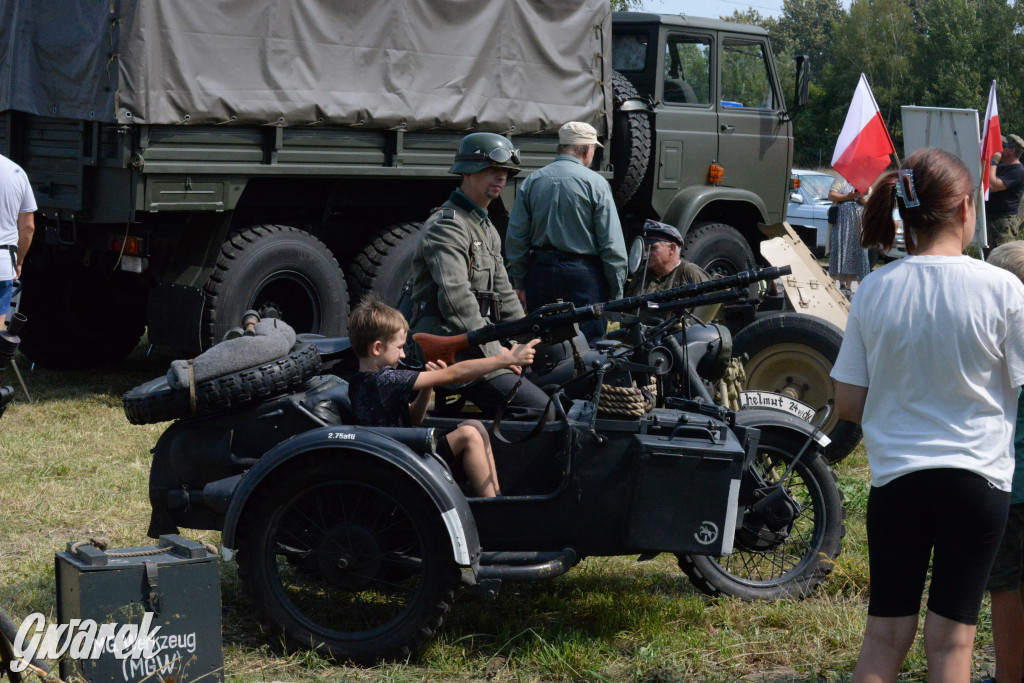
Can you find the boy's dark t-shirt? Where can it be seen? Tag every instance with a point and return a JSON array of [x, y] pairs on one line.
[[381, 398]]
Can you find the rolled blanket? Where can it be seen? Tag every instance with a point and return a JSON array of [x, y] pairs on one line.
[[273, 339]]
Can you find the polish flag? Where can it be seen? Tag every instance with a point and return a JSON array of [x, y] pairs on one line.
[[863, 149], [991, 139]]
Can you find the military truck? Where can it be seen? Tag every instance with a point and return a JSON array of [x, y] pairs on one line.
[[195, 160]]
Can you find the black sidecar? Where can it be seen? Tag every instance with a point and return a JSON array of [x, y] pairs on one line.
[[352, 540]]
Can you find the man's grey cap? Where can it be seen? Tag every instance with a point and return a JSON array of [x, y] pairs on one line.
[[653, 230], [1017, 143]]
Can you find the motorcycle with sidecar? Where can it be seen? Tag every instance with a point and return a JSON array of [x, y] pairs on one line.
[[352, 540]]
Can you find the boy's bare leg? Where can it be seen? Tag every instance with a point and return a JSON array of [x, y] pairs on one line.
[[469, 441], [1008, 633]]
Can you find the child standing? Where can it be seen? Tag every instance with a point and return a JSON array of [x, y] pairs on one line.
[[378, 391], [1005, 580], [932, 376]]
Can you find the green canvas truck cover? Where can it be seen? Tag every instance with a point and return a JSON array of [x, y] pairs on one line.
[[517, 66]]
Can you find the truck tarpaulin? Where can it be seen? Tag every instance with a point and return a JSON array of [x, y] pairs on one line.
[[514, 66]]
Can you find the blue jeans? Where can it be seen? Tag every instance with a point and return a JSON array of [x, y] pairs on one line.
[[554, 275]]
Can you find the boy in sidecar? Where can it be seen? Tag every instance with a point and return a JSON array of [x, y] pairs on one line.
[[379, 391]]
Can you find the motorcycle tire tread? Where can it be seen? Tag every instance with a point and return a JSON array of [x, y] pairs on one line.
[[156, 401]]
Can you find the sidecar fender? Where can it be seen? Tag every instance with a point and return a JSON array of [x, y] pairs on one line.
[[393, 446]]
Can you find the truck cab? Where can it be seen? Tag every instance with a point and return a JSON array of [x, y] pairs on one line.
[[722, 142]]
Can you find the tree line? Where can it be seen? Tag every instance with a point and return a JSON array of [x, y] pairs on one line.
[[937, 53]]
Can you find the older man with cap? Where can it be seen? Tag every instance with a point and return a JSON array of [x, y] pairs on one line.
[[564, 240], [459, 280], [1006, 185], [666, 268]]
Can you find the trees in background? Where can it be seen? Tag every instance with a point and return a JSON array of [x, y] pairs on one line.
[[940, 53]]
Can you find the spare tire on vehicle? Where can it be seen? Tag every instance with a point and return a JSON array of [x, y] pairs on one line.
[[631, 141], [157, 401], [793, 354]]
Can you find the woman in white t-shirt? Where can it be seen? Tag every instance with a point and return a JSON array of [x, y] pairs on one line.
[[930, 364]]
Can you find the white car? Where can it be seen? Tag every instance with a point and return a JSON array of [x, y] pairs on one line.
[[899, 246], [808, 214], [808, 209]]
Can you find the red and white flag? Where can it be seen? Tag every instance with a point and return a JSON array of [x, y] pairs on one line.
[[863, 148], [991, 138]]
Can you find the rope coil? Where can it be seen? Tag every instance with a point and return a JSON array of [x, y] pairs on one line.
[[627, 401]]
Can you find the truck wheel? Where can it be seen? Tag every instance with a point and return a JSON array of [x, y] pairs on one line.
[[157, 401], [792, 354], [769, 565], [78, 318], [349, 558], [281, 272], [386, 262], [631, 142], [718, 248]]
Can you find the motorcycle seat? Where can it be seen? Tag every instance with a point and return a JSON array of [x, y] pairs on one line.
[[328, 399]]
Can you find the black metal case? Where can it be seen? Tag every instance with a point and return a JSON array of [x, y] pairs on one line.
[[685, 490], [177, 582]]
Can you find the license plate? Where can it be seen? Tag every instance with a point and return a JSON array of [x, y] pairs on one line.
[[773, 401]]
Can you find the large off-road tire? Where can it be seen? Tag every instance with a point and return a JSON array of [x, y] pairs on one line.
[[718, 248], [79, 317], [349, 558], [281, 272], [631, 142], [793, 564], [793, 354], [385, 263], [157, 401]]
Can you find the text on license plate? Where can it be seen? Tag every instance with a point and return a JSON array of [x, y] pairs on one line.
[[773, 401]]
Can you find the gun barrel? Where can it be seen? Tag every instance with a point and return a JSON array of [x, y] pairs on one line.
[[555, 322]]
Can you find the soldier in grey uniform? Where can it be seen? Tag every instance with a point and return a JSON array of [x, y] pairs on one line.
[[459, 278]]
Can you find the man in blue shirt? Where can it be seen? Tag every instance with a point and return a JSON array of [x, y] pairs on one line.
[[564, 240]]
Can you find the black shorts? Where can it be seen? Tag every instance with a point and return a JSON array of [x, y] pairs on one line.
[[1009, 564], [444, 449], [956, 513]]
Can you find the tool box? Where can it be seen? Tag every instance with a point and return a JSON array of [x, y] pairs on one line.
[[169, 593]]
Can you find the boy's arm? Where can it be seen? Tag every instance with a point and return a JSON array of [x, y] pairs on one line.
[[467, 370], [418, 408]]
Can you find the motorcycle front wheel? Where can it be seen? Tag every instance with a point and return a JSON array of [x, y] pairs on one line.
[[790, 563]]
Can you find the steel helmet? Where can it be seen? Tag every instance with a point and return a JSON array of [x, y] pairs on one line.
[[478, 151]]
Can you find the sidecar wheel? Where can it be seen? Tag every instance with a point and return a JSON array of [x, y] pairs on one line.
[[795, 565], [351, 559], [156, 401]]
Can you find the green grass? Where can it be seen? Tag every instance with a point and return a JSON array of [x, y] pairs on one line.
[[71, 467]]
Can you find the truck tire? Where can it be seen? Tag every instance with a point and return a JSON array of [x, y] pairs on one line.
[[718, 248], [157, 401], [79, 318], [385, 263], [631, 142], [349, 558], [769, 566], [281, 272], [792, 354]]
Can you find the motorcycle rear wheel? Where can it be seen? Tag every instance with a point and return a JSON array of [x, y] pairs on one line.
[[795, 566]]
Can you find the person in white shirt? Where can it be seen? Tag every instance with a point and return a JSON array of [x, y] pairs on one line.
[[17, 225], [930, 364]]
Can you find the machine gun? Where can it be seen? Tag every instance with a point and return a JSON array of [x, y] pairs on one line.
[[555, 323]]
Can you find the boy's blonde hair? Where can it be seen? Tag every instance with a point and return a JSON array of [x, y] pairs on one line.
[[1009, 256], [373, 320]]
